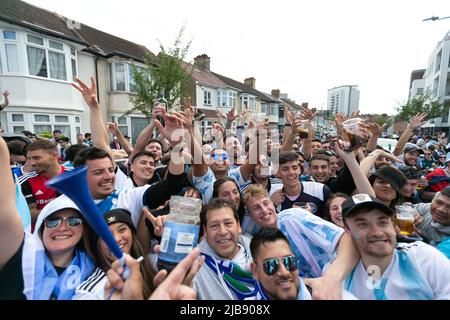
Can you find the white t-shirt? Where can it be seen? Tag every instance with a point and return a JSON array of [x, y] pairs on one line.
[[130, 199], [312, 239], [417, 272], [205, 183]]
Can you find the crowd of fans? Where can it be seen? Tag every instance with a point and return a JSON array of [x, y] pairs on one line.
[[285, 215]]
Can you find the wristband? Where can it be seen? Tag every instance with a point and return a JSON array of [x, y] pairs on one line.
[[287, 124]]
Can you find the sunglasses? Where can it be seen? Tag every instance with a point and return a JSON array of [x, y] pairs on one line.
[[56, 221], [217, 156], [270, 266]]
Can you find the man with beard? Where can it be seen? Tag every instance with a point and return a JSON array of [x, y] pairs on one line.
[[42, 156], [275, 267], [387, 270]]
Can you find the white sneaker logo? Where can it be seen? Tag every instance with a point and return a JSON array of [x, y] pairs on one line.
[[39, 192]]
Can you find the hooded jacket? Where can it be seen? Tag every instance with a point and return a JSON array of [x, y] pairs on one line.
[[41, 280]]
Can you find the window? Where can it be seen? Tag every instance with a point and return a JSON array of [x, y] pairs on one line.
[[419, 91], [207, 98], [18, 129], [122, 76], [11, 51], [232, 98], [41, 118], [251, 104], [9, 35], [73, 62], [77, 119], [78, 130], [65, 130], [61, 119], [38, 129], [122, 123], [46, 58], [264, 108], [17, 118], [222, 98]]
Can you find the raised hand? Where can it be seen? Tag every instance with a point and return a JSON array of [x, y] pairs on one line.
[[172, 287], [162, 275], [129, 289], [232, 115], [277, 197], [158, 110], [354, 114], [375, 128], [112, 127], [89, 94], [157, 222], [339, 120], [307, 114], [173, 130], [288, 115], [5, 93], [418, 120], [187, 105]]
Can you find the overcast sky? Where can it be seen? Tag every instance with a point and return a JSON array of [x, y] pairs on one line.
[[301, 49]]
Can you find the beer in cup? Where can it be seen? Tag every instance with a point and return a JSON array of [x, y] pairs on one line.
[[405, 219], [303, 129], [351, 128]]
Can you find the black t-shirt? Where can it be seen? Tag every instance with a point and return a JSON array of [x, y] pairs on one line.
[[11, 278]]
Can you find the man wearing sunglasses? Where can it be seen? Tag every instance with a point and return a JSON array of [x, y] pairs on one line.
[[387, 270], [275, 267], [314, 241]]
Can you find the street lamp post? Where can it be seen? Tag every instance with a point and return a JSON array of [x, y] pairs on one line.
[[434, 18]]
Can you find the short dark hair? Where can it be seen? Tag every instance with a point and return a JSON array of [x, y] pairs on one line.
[[288, 156], [91, 153], [446, 191], [141, 154], [16, 147], [319, 156], [263, 236], [87, 134], [316, 140], [410, 172], [45, 145], [57, 131], [72, 151], [218, 203], [66, 139], [155, 140]]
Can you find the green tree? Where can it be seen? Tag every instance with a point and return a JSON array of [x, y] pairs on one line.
[[167, 76], [381, 119], [421, 103]]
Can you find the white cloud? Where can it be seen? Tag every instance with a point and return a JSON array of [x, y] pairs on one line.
[[303, 49]]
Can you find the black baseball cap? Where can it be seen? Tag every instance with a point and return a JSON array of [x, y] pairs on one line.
[[362, 200], [391, 175], [411, 147], [119, 215]]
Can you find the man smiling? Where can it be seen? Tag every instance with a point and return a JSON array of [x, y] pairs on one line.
[[387, 271], [275, 267]]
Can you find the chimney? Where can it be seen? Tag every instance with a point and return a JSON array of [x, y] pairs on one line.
[[250, 82], [276, 93], [202, 61]]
